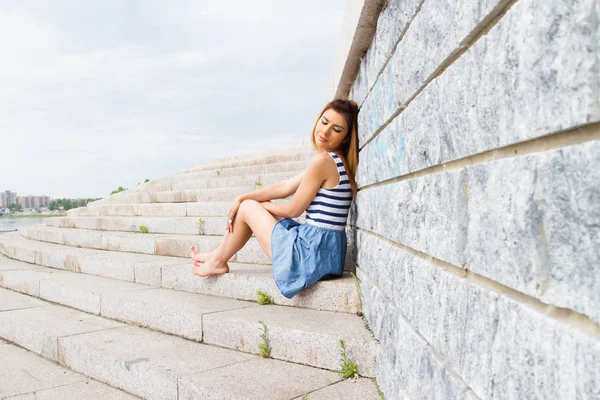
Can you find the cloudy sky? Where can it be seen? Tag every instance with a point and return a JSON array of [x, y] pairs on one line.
[[100, 93]]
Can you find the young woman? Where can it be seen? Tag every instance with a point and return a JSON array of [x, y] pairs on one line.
[[301, 254]]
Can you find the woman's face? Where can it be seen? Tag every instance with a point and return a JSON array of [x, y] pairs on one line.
[[330, 131]]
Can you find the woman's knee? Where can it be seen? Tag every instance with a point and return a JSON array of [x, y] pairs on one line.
[[248, 204]]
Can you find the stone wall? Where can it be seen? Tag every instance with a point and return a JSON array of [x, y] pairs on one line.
[[477, 224]]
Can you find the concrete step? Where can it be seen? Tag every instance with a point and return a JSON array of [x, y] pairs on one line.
[[188, 183], [145, 243], [298, 335], [249, 177], [155, 365], [293, 155], [25, 375], [196, 209], [276, 168], [212, 226], [175, 196], [241, 282]]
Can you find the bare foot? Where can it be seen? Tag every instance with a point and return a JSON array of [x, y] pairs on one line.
[[201, 257], [209, 268]]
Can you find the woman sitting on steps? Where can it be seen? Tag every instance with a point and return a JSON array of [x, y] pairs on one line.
[[301, 254]]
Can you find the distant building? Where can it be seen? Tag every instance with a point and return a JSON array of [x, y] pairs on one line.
[[7, 197], [33, 201]]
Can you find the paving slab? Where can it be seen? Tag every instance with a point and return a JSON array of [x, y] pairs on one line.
[[349, 389], [243, 280], [37, 329], [90, 389], [15, 301], [140, 361], [31, 377], [256, 379], [169, 311], [299, 335], [23, 372]]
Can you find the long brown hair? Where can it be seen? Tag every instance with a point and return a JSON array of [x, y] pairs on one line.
[[349, 147]]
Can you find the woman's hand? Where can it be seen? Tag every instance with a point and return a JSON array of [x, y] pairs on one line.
[[231, 214]]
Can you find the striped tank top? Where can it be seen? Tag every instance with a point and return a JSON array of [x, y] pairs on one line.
[[329, 208]]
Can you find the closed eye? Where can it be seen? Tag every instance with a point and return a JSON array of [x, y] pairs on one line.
[[325, 123]]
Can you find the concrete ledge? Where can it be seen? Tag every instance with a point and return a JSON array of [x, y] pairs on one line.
[[244, 280]]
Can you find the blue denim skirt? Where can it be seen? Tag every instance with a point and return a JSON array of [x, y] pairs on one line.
[[304, 254]]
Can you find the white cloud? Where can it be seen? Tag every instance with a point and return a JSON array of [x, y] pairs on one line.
[[98, 94]]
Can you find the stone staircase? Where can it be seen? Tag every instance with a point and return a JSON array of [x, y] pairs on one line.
[[92, 293]]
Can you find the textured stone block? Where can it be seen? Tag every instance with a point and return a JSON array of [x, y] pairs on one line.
[[258, 378], [109, 265], [145, 363], [298, 335], [37, 329], [129, 242], [497, 345], [407, 366], [439, 30], [547, 78], [44, 234], [174, 196], [160, 210], [222, 194], [169, 311], [27, 281], [174, 225], [81, 291], [529, 222], [393, 20], [208, 209], [150, 272], [79, 238]]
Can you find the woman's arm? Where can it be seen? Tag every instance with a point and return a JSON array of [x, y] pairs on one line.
[[276, 190], [314, 176]]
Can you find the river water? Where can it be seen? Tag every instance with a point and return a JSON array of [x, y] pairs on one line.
[[9, 224]]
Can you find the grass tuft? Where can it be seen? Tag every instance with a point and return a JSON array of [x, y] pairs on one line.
[[348, 369], [263, 298], [143, 229], [264, 347]]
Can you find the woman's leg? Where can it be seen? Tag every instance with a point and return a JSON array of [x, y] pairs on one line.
[[251, 217], [202, 257]]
